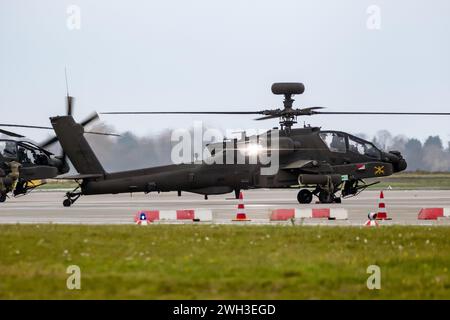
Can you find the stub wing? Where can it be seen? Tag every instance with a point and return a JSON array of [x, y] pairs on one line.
[[298, 164], [80, 176]]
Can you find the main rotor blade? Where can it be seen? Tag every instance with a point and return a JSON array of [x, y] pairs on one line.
[[270, 113], [24, 126], [383, 113], [91, 118], [11, 134], [103, 133], [312, 108], [85, 122], [48, 142], [268, 117], [282, 113], [276, 113], [184, 112]]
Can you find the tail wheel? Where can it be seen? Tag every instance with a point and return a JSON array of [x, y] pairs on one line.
[[71, 197], [304, 196]]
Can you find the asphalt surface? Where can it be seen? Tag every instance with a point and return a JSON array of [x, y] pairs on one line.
[[46, 207]]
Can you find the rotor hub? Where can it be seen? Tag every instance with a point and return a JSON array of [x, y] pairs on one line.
[[288, 116]]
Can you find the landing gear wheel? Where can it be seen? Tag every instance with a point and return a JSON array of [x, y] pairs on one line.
[[337, 200], [71, 197], [2, 197], [325, 197], [304, 196], [67, 203]]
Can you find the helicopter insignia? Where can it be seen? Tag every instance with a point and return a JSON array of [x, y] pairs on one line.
[[361, 167], [379, 170]]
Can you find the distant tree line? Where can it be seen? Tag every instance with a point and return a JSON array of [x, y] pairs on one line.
[[430, 155]]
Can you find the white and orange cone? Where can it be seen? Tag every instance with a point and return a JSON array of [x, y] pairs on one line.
[[240, 213], [382, 213]]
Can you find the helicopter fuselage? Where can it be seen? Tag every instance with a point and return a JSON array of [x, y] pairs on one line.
[[308, 157]]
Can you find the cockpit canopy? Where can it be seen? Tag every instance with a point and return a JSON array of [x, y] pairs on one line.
[[23, 152], [342, 142]]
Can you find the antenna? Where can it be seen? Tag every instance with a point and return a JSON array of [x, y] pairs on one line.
[[69, 98], [67, 83]]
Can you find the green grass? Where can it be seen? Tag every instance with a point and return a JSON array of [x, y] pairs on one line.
[[222, 262], [414, 181], [53, 186], [57, 184]]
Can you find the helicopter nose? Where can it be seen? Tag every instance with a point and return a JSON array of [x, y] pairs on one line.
[[401, 165], [398, 161]]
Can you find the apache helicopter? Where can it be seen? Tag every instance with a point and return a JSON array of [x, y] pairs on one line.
[[24, 165], [322, 163]]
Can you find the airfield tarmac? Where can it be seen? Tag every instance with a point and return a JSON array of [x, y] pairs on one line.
[[46, 207]]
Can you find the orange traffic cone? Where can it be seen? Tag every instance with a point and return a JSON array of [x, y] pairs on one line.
[[382, 214], [372, 222], [240, 213]]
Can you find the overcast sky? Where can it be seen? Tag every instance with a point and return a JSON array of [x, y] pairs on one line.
[[224, 55]]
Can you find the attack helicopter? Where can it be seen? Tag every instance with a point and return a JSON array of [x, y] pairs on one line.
[[324, 163], [24, 164]]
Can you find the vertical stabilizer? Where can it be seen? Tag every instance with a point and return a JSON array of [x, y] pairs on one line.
[[75, 145]]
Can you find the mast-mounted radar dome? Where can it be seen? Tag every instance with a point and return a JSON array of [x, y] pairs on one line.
[[288, 88]]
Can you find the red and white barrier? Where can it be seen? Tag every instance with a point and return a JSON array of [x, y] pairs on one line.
[[175, 215], [141, 219], [327, 213], [282, 214], [433, 213]]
